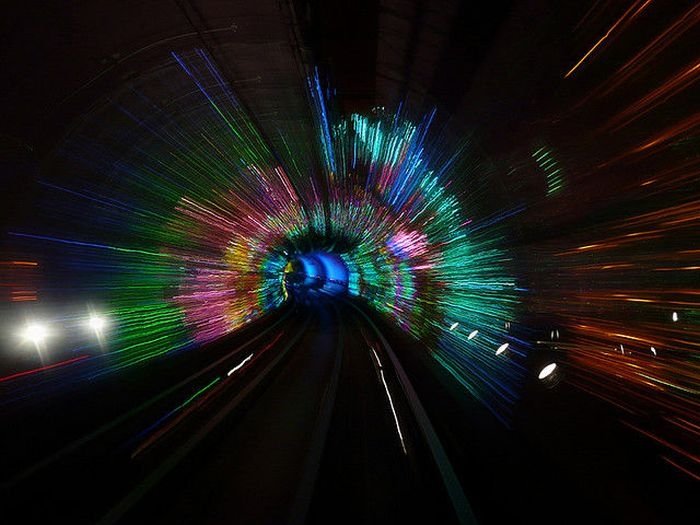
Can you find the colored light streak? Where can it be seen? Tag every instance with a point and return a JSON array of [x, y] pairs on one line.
[[42, 368], [636, 8], [624, 282], [179, 411], [196, 239], [551, 168]]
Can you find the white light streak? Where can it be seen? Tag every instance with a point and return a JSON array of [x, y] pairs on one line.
[[393, 411], [473, 335], [379, 363], [674, 317], [454, 325], [240, 365]]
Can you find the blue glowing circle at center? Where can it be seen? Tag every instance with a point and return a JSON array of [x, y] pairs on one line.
[[318, 272]]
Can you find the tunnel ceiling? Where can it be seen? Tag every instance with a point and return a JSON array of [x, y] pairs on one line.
[[66, 57]]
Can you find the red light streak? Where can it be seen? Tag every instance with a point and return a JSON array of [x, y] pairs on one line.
[[43, 368]]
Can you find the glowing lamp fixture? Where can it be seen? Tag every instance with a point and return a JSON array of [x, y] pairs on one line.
[[97, 322], [547, 371], [35, 333]]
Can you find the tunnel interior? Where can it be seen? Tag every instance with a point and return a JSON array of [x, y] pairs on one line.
[[409, 259]]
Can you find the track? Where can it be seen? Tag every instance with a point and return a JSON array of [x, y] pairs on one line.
[[377, 466], [304, 419]]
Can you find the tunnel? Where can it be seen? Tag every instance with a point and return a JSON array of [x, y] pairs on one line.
[[349, 262]]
